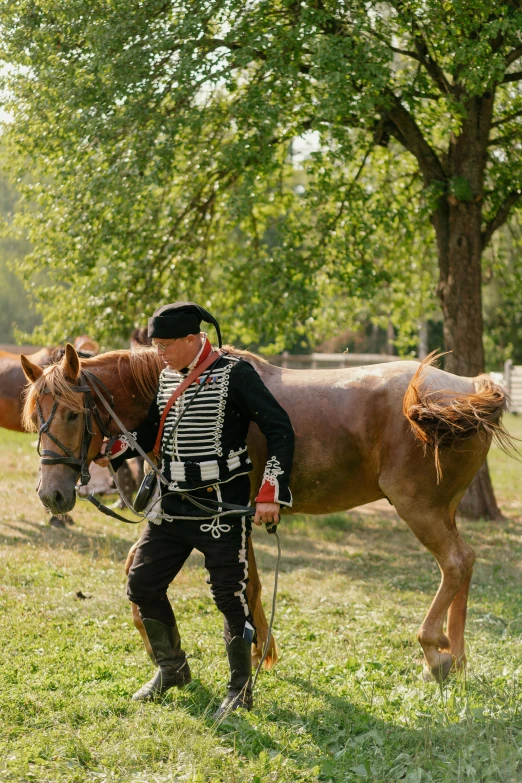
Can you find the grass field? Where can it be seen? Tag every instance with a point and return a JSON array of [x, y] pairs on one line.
[[345, 703]]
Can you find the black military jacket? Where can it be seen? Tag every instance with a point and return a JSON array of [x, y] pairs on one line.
[[209, 444]]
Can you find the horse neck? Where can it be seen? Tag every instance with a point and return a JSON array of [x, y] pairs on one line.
[[42, 357], [129, 403]]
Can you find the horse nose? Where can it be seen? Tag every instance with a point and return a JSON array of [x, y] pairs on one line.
[[55, 501], [57, 498]]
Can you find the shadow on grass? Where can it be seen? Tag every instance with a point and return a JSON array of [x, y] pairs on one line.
[[360, 545], [96, 544], [347, 742], [380, 552]]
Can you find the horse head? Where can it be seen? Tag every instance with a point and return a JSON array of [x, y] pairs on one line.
[[69, 438]]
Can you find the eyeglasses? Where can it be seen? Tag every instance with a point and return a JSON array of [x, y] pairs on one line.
[[161, 347]]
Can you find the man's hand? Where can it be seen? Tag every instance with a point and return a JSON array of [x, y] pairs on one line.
[[267, 513], [102, 460]]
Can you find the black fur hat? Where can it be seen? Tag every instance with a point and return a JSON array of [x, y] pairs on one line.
[[180, 319]]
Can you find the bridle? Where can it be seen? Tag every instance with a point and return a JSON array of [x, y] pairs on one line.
[[91, 412], [89, 383]]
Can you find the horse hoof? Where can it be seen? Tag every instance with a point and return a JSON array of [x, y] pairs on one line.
[[460, 662], [271, 659], [61, 520], [441, 671], [57, 521]]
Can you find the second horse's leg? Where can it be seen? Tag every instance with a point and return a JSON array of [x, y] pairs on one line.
[[457, 622], [258, 614], [136, 617]]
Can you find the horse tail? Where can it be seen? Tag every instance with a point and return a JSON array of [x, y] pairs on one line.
[[441, 418]]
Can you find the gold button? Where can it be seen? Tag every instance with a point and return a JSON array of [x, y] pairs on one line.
[[209, 489]]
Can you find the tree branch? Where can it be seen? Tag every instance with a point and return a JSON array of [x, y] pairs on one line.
[[406, 53], [507, 118], [421, 56], [516, 76], [509, 137], [408, 133], [500, 217], [431, 65], [514, 55], [234, 46]]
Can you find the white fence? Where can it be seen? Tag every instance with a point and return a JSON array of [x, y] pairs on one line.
[[513, 383]]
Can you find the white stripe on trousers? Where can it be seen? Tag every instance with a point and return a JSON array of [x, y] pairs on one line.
[[243, 558]]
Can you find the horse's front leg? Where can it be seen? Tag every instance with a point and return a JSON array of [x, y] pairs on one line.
[[258, 615], [136, 617]]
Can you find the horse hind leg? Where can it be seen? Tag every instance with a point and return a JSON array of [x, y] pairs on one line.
[[437, 531], [457, 622]]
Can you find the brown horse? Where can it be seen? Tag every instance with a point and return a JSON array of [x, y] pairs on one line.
[[407, 432], [12, 382]]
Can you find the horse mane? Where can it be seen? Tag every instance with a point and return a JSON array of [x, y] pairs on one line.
[[144, 363]]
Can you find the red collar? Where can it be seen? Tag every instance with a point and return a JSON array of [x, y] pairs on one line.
[[207, 348]]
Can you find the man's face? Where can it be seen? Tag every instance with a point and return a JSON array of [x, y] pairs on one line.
[[178, 352]]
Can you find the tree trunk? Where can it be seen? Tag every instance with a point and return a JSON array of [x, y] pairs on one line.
[[460, 291], [458, 225], [479, 501]]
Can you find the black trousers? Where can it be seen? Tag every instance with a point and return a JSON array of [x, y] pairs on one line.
[[163, 549]]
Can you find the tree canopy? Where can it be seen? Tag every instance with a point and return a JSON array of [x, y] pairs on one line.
[[160, 139], [14, 303]]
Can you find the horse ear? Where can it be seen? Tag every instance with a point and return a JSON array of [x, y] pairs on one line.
[[31, 371], [71, 362]]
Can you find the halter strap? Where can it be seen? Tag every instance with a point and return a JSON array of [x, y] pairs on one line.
[[80, 464]]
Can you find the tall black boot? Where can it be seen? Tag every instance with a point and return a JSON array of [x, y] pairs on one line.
[[173, 669], [239, 689]]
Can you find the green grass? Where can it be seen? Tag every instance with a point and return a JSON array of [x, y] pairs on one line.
[[345, 703]]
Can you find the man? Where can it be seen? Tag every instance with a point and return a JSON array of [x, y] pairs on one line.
[[204, 455]]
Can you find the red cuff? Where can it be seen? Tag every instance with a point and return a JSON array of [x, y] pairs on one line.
[[267, 493], [118, 448]]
